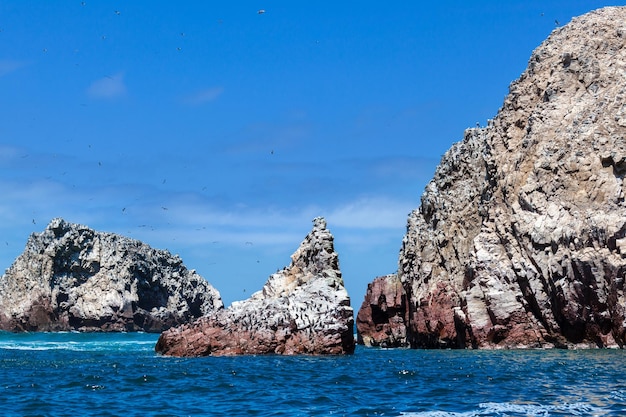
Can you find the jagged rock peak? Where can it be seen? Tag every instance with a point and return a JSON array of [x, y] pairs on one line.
[[302, 309], [314, 258], [70, 277], [520, 239]]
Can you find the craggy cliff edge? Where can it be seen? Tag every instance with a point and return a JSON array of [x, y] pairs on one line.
[[302, 309], [71, 277], [520, 239]]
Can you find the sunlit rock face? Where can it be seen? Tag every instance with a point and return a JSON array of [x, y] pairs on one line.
[[520, 237], [70, 277], [302, 309]]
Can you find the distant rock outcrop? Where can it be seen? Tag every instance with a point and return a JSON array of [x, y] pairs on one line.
[[383, 316], [303, 308], [71, 277], [520, 239]]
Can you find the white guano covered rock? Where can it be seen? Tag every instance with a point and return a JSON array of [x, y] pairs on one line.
[[519, 239], [302, 309], [71, 277]]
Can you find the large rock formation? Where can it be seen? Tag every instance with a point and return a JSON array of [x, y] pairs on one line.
[[383, 316], [303, 308], [520, 239], [71, 277]]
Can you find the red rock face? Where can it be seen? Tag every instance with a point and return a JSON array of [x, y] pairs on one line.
[[303, 309], [432, 322], [222, 335], [382, 319]]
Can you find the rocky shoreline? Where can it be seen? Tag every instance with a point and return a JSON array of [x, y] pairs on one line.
[[72, 278], [519, 242]]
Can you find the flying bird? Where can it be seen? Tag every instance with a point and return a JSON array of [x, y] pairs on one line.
[[261, 11]]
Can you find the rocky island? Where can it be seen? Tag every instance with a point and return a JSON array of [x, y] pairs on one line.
[[520, 238], [302, 309], [71, 277]]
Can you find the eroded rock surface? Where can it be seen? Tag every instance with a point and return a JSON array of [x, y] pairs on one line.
[[520, 239], [71, 277], [302, 309], [383, 316]]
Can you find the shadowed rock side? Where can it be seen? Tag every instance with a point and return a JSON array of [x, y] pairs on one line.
[[71, 277], [302, 309], [520, 237], [383, 316]]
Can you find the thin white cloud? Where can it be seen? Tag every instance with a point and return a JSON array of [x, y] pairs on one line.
[[203, 96], [9, 65], [266, 136], [185, 222], [372, 213], [108, 87], [233, 246]]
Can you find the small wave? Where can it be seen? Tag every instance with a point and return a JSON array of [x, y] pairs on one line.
[[573, 409], [85, 347], [438, 414], [22, 347], [514, 409], [619, 395], [76, 342]]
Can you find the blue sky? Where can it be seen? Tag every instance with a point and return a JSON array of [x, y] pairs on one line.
[[218, 132]]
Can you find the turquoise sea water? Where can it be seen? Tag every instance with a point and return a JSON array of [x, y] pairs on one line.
[[69, 374]]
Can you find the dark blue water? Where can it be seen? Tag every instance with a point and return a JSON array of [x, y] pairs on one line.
[[119, 374]]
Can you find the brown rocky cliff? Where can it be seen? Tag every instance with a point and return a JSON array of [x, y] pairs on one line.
[[520, 237], [71, 277], [382, 318], [302, 309]]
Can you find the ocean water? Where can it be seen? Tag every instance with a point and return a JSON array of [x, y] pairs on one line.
[[70, 374]]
